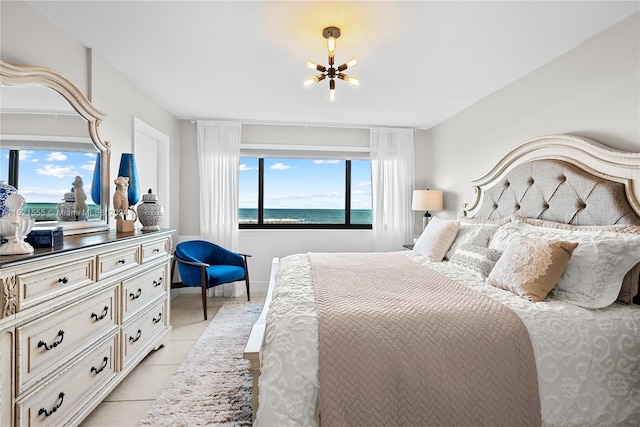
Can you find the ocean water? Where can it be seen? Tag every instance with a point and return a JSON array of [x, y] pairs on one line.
[[304, 216]]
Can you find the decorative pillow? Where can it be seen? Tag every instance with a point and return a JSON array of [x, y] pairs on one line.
[[474, 234], [616, 228], [504, 234], [436, 239], [484, 221], [593, 278], [630, 284], [629, 287], [474, 259], [530, 267]]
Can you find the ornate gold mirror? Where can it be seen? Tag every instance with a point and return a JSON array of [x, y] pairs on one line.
[[49, 143]]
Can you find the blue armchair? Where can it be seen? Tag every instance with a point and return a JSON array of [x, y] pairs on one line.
[[205, 264]]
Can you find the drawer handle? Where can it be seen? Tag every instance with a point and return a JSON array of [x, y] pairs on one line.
[[55, 344], [157, 283], [155, 321], [102, 316], [156, 250], [101, 368], [122, 261], [132, 339], [54, 409], [64, 280], [136, 295]]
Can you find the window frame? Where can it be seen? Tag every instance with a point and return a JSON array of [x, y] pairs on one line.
[[260, 225]]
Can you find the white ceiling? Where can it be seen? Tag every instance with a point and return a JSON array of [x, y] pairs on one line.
[[420, 61]]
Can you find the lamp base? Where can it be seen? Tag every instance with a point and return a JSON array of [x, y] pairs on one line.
[[425, 220]]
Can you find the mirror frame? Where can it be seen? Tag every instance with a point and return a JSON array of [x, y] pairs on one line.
[[28, 75]]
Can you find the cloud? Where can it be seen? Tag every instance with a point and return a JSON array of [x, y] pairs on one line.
[[245, 168], [88, 166], [25, 154], [57, 171], [364, 184], [327, 162], [56, 156], [280, 166]]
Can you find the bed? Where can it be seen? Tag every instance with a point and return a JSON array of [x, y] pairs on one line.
[[550, 246]]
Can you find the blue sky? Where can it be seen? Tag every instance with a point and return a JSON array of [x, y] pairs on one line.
[[289, 183], [305, 183], [44, 176]]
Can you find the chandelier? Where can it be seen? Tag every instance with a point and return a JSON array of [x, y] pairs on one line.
[[331, 72]]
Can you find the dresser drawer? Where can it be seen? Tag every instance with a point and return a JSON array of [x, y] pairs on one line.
[[45, 344], [118, 261], [154, 250], [140, 290], [61, 397], [138, 334], [42, 285]]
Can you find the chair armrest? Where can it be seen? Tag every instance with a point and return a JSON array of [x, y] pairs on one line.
[[244, 255], [195, 264]]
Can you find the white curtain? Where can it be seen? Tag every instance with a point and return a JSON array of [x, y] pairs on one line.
[[392, 174], [218, 163]]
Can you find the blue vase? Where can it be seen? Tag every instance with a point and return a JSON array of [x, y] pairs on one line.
[[128, 169], [5, 191], [96, 182]]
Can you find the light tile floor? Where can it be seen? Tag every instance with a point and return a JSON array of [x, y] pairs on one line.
[[129, 402]]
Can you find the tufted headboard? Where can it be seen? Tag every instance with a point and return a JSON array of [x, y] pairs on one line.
[[561, 178]]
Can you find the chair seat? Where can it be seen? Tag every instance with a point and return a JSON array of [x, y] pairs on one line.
[[220, 274]]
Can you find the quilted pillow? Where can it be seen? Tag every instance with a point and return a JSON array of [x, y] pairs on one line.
[[474, 234], [436, 239], [477, 260], [593, 278], [530, 267]]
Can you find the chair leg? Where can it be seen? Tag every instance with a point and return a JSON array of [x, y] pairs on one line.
[[203, 284], [248, 291], [246, 279]]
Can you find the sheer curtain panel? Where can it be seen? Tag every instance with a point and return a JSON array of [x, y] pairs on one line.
[[392, 174], [218, 160]]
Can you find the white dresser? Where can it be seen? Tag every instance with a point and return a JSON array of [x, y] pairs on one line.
[[75, 320]]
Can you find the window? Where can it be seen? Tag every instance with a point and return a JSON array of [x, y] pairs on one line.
[[304, 193]]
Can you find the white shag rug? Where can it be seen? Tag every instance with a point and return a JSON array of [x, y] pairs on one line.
[[212, 386]]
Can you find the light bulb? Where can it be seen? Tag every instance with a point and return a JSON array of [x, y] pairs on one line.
[[350, 63], [332, 95], [331, 45], [311, 65], [353, 81], [308, 82]]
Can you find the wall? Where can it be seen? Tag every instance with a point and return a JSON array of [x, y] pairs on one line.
[[592, 91], [109, 91]]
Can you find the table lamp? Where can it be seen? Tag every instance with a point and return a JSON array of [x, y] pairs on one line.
[[427, 200]]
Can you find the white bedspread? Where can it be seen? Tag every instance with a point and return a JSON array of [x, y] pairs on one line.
[[588, 361]]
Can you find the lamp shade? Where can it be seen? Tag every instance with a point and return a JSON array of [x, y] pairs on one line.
[[128, 169], [427, 200]]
